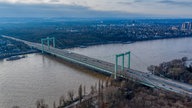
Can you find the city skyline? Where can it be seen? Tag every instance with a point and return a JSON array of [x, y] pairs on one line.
[[96, 8]]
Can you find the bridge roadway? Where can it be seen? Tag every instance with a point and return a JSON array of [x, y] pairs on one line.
[[108, 68]]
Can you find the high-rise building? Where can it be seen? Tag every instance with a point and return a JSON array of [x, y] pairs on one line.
[[186, 26], [190, 26]]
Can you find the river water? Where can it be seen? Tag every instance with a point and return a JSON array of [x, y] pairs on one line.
[[24, 81], [143, 54]]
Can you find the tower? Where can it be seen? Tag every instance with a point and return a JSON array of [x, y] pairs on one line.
[[186, 26]]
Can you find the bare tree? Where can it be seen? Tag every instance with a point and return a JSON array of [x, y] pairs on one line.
[[54, 105], [80, 93], [41, 104], [110, 80], [99, 88], [95, 87], [62, 101], [92, 90], [71, 95], [107, 82], [102, 87], [84, 90]]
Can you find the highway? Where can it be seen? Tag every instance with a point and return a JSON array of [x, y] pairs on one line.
[[108, 68]]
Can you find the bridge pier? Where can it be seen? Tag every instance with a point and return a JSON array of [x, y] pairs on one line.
[[48, 43], [42, 46], [123, 62], [53, 41], [122, 67], [129, 59], [47, 40]]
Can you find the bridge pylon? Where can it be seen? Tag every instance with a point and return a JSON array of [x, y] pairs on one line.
[[47, 41], [123, 62]]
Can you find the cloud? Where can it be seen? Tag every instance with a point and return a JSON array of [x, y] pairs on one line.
[[137, 1], [125, 3], [37, 10], [56, 10], [95, 8], [130, 2], [55, 1], [177, 3]]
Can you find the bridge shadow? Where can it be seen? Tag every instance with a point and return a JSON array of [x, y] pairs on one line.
[[77, 67]]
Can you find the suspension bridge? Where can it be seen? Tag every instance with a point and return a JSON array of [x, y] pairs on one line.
[[47, 46]]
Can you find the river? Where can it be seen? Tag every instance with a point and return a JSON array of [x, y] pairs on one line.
[[24, 81], [144, 53]]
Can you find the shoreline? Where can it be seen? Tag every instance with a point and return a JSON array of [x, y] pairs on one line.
[[120, 42], [4, 56], [89, 45], [114, 42]]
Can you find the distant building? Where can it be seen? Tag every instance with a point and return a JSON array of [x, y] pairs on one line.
[[174, 28], [186, 26]]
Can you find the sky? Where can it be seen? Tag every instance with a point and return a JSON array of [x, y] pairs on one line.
[[96, 8]]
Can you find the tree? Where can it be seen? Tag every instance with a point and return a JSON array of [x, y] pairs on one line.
[[41, 104], [54, 105], [71, 95], [92, 90], [99, 86], [62, 101], [84, 90], [107, 83], [102, 87], [80, 93]]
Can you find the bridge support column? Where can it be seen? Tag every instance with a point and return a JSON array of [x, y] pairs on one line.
[[123, 62], [122, 67], [54, 42], [47, 41], [116, 67], [116, 64], [129, 59], [42, 46], [129, 66]]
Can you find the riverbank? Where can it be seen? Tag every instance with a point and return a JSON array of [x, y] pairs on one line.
[[122, 94], [9, 47], [121, 42], [7, 55], [128, 94], [177, 69]]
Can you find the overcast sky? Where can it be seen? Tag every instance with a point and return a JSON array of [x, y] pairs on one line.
[[96, 8]]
